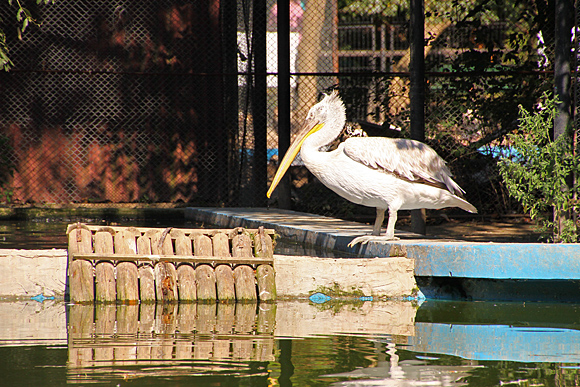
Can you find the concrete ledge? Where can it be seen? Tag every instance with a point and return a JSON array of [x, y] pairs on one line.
[[32, 323], [443, 268], [485, 260], [326, 232], [498, 342], [28, 273], [343, 277], [304, 319], [434, 258]]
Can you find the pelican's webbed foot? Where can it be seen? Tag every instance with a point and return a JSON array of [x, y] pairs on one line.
[[363, 240]]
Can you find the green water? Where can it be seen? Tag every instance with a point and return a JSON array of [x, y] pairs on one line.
[[46, 233], [291, 344], [49, 233], [287, 343]]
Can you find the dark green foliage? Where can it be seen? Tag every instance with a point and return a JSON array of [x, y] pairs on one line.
[[24, 17], [539, 174]]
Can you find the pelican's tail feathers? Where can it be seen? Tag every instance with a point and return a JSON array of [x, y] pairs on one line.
[[465, 205]]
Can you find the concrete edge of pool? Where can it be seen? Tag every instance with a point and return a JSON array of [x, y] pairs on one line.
[[443, 269], [42, 275]]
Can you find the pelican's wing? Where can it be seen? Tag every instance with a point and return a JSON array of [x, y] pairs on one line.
[[409, 159]]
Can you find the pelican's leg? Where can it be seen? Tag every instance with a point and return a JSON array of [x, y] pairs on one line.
[[377, 229], [391, 224], [379, 221]]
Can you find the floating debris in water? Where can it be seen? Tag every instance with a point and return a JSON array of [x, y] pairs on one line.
[[42, 298], [319, 298]]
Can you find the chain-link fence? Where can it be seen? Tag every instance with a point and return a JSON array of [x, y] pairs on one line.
[[117, 102], [481, 64], [169, 101]]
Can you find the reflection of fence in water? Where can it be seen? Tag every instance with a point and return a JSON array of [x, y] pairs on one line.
[[130, 341]]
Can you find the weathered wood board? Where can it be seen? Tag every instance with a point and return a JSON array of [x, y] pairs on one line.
[[128, 264]]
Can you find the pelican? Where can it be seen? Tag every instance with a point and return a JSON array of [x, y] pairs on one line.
[[385, 173]]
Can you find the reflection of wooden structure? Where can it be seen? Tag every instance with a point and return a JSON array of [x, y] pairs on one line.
[[131, 265], [133, 341]]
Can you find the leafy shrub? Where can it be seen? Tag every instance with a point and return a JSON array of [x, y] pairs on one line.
[[539, 175]]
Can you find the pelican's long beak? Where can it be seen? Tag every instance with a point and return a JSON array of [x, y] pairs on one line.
[[309, 127]]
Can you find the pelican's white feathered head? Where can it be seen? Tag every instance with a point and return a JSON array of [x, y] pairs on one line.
[[329, 111], [329, 114]]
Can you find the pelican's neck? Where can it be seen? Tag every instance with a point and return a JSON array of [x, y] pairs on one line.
[[313, 149]]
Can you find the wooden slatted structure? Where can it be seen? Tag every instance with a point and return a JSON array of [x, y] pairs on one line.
[[136, 264]]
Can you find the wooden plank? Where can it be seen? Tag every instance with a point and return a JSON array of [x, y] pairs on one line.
[[186, 283], [221, 245], [104, 327], [81, 281], [80, 327], [126, 241], [166, 282], [130, 235], [225, 317], [127, 328], [143, 245], [160, 242], [153, 236], [242, 244], [263, 246], [206, 283], [146, 321], [185, 325], [224, 276], [104, 241], [81, 273], [182, 242], [26, 273], [162, 348], [245, 282], [80, 239], [165, 244], [265, 325], [202, 245], [105, 284], [127, 283], [242, 349], [177, 258], [145, 270], [146, 283], [266, 319], [206, 323], [187, 231], [186, 318], [119, 243], [266, 278]]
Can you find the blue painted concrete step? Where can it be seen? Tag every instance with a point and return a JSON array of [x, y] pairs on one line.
[[469, 269]]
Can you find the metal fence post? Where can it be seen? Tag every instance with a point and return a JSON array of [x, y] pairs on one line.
[[417, 92], [284, 96], [259, 105], [564, 21], [230, 96], [564, 14]]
